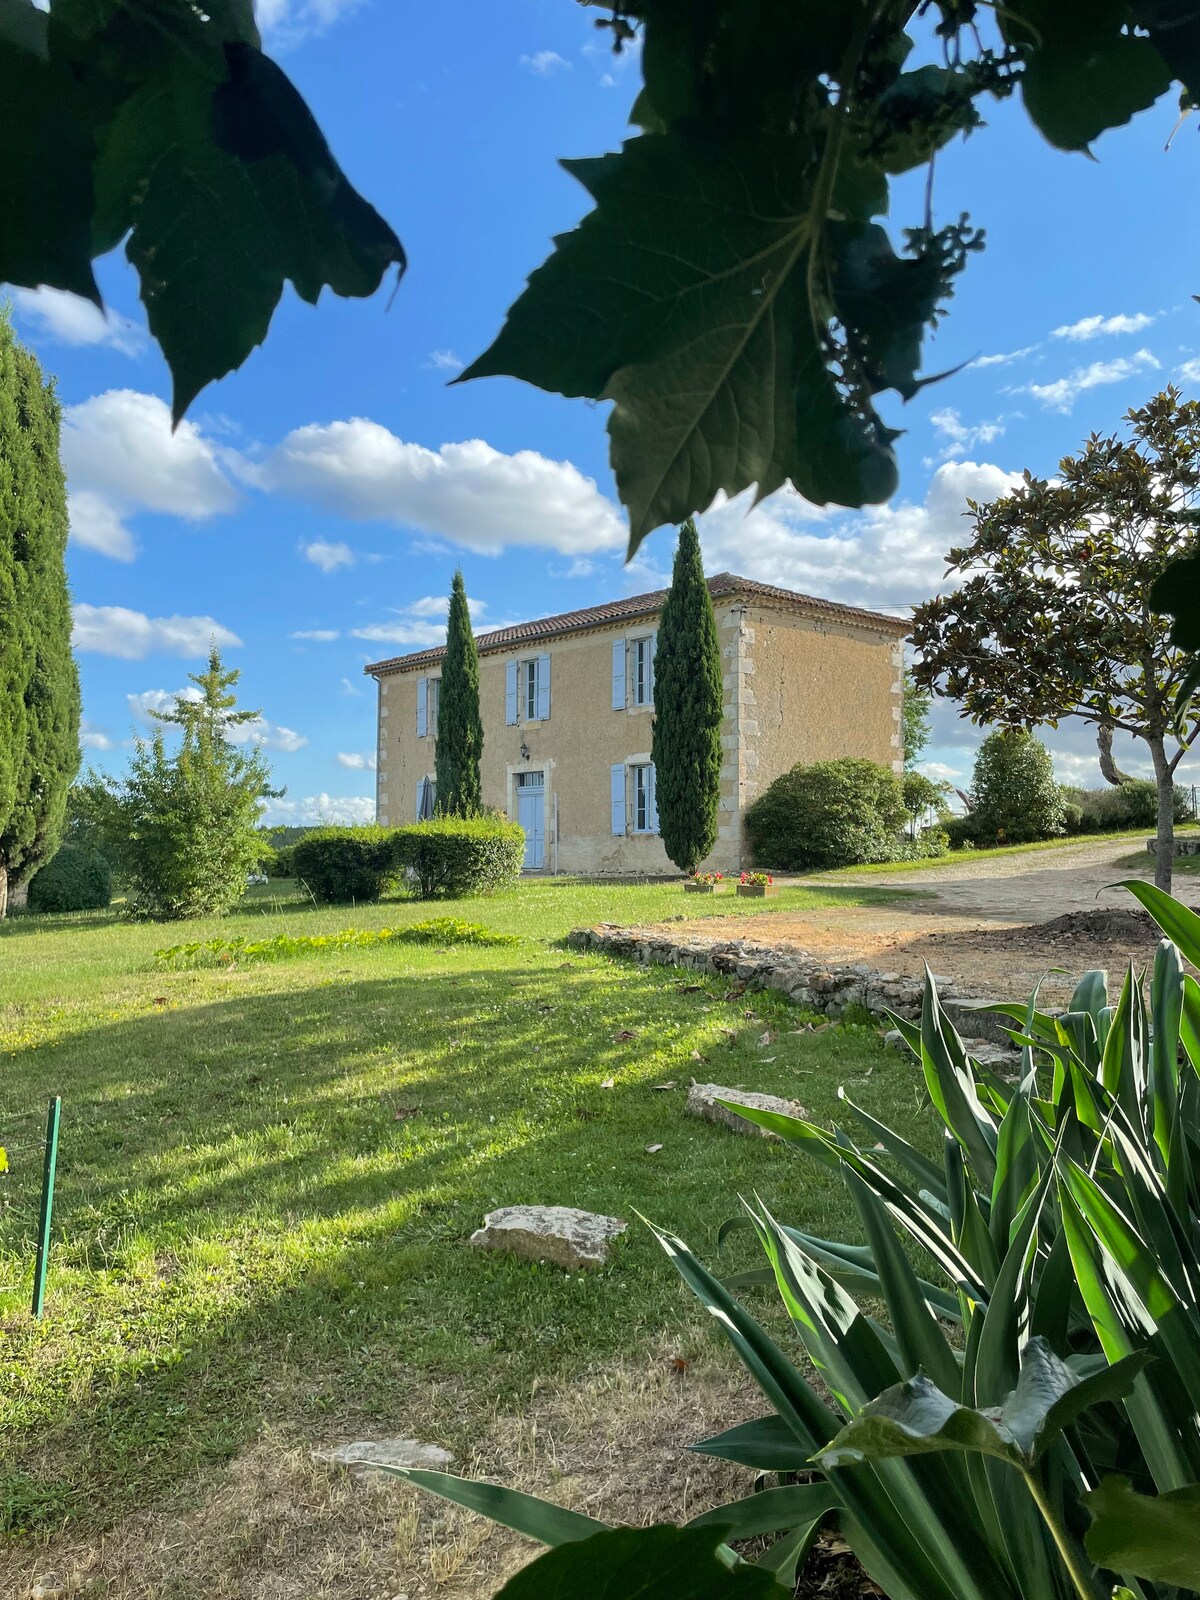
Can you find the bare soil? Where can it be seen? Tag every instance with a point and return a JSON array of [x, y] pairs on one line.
[[994, 928]]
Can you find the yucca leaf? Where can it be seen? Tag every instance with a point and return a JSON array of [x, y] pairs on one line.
[[793, 1505], [971, 1232], [1017, 1167], [1189, 1022], [1091, 993], [908, 1031], [951, 1085], [787, 1555], [1179, 924], [921, 1342], [997, 1358], [1123, 1063], [523, 1513], [1166, 1005], [662, 1563], [1147, 1536], [926, 1172], [767, 1444]]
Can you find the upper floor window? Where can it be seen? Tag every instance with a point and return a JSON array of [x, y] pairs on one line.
[[429, 697], [633, 671], [527, 690]]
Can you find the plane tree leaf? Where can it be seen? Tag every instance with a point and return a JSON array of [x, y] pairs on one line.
[[663, 1563], [163, 124]]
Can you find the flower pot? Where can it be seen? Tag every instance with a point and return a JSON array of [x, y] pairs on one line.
[[756, 891], [701, 888]]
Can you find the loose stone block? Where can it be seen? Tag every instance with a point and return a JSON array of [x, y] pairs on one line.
[[558, 1236], [366, 1454], [702, 1101]]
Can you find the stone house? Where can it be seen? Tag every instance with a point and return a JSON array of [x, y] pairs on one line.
[[568, 702]]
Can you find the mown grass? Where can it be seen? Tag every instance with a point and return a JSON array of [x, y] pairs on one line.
[[269, 1175]]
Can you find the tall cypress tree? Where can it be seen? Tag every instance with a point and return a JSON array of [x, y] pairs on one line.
[[460, 727], [686, 747], [39, 685]]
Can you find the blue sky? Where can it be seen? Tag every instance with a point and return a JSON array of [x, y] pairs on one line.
[[312, 509]]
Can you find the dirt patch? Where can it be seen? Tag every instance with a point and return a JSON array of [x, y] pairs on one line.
[[1096, 927], [275, 1526]]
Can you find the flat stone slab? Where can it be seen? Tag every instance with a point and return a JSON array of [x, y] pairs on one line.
[[702, 1101], [366, 1454], [557, 1236]]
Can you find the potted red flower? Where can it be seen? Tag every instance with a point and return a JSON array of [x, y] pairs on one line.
[[756, 884], [705, 883]]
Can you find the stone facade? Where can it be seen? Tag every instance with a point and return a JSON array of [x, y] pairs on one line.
[[803, 680]]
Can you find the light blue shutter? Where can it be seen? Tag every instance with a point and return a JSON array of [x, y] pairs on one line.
[[422, 707], [618, 798], [543, 688], [650, 669], [420, 797], [651, 799], [510, 694], [618, 675]]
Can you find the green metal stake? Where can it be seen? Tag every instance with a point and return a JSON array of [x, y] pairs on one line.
[[48, 1170]]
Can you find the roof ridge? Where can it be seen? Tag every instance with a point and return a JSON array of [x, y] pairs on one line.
[[564, 622]]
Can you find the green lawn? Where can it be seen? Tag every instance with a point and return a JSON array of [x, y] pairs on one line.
[[268, 1176], [958, 857]]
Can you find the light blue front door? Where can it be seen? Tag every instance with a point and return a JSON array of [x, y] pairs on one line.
[[531, 814]]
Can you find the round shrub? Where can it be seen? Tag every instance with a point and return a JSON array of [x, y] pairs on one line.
[[459, 856], [78, 878], [1016, 797], [1072, 817], [829, 814], [342, 864]]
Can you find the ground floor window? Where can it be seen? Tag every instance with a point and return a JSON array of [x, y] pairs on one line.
[[645, 810], [426, 799]]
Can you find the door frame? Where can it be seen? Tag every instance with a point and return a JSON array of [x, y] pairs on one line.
[[514, 792]]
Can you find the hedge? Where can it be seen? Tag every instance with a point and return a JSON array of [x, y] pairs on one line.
[[829, 814], [342, 864], [460, 855], [78, 878], [1133, 804]]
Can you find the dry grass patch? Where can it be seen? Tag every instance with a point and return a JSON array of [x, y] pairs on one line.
[[275, 1526]]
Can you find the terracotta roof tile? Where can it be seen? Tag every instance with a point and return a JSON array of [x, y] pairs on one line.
[[644, 605]]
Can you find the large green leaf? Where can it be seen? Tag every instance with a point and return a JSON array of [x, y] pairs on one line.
[[1179, 924], [916, 1417], [686, 297], [164, 123], [663, 1563], [792, 1505], [767, 1444], [1146, 1536], [1084, 73]]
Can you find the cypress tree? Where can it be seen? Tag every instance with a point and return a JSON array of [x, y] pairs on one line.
[[460, 727], [39, 685], [686, 747]]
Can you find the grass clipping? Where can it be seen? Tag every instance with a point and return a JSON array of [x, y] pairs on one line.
[[239, 952]]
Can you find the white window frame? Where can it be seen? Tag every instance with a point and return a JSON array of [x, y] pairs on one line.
[[641, 675], [433, 702], [642, 806], [531, 672]]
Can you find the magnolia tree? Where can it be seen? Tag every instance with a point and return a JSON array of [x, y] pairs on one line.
[[1052, 621]]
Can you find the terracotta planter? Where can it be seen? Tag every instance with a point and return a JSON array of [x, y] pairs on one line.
[[703, 888], [756, 891]]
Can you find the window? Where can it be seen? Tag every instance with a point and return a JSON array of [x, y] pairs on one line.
[[426, 798], [642, 651], [645, 810], [433, 701], [530, 671]]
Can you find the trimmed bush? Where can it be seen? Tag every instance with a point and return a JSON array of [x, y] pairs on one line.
[[342, 864], [77, 878], [1016, 797], [1123, 805], [283, 862], [829, 814], [460, 855]]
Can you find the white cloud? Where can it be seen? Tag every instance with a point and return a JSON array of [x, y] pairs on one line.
[[886, 557], [941, 772], [1189, 371], [328, 555], [960, 437], [286, 23], [416, 634], [131, 635], [316, 635], [320, 808], [1062, 394], [468, 493], [96, 525], [355, 761], [268, 734], [1006, 358], [545, 63], [1098, 327], [93, 738], [354, 690], [121, 457], [70, 319], [445, 361]]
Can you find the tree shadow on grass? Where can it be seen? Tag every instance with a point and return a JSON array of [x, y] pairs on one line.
[[264, 1204]]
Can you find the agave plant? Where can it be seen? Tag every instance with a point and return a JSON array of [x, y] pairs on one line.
[[1042, 1375]]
